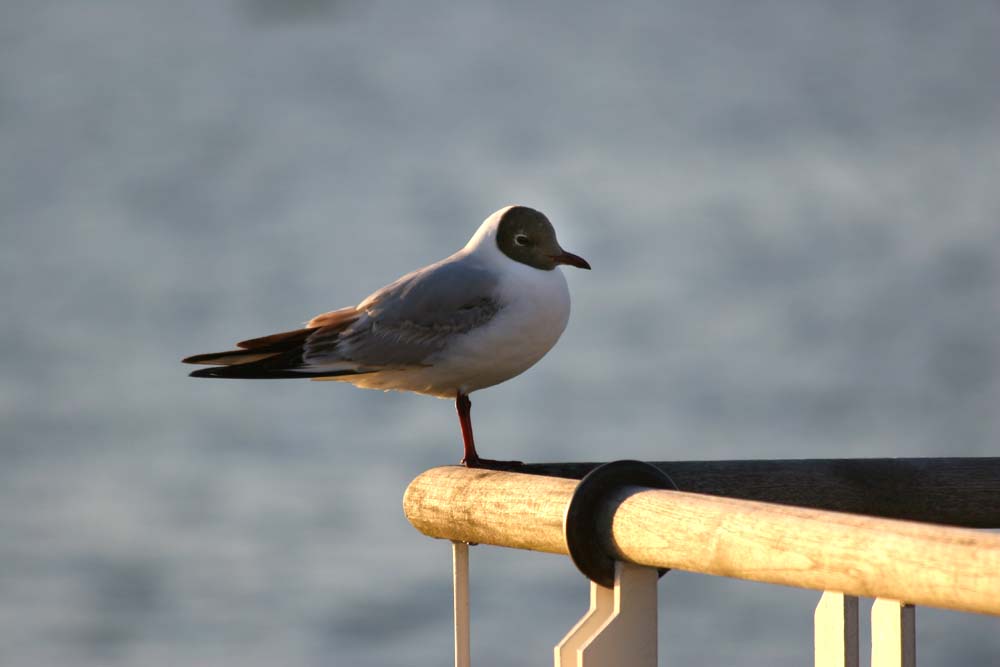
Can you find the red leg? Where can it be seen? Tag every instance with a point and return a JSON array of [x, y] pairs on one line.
[[471, 458], [464, 407]]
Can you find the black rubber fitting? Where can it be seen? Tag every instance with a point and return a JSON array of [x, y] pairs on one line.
[[579, 523]]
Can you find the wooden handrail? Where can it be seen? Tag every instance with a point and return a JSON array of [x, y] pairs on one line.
[[923, 564]]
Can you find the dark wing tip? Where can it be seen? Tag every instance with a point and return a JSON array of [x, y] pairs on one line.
[[254, 372], [201, 373], [199, 358], [242, 372]]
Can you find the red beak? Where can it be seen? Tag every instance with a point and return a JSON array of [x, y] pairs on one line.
[[571, 259]]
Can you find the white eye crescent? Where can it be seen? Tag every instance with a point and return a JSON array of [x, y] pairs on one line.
[[521, 240]]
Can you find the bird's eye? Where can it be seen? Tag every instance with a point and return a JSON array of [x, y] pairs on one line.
[[521, 239]]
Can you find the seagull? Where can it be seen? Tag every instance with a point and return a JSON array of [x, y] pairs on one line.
[[475, 319]]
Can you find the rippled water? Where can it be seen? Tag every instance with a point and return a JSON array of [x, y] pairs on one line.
[[792, 215]]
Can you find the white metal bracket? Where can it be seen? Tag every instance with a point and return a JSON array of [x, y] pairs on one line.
[[836, 631], [460, 581], [894, 634], [620, 628]]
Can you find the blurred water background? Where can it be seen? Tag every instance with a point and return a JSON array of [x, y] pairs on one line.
[[793, 214]]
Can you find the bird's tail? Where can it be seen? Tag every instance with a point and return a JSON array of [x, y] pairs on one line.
[[279, 355]]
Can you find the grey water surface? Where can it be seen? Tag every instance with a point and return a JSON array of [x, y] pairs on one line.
[[793, 214]]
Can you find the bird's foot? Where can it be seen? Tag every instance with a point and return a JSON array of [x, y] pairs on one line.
[[491, 464]]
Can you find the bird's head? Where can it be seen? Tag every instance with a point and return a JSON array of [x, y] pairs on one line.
[[526, 236]]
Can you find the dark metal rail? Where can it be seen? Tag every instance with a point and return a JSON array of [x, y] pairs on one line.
[[953, 491]]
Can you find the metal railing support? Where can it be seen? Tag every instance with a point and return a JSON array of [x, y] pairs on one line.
[[460, 582], [619, 630], [835, 630], [894, 634]]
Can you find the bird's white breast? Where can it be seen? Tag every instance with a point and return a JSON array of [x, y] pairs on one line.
[[534, 312]]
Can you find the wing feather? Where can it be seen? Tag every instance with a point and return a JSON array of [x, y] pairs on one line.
[[401, 325], [405, 323]]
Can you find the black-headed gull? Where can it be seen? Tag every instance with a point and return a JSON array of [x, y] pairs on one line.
[[473, 320]]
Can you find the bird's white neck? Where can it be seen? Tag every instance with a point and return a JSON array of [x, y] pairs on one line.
[[486, 236]]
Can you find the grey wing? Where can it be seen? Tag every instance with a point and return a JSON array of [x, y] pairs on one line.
[[408, 321]]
